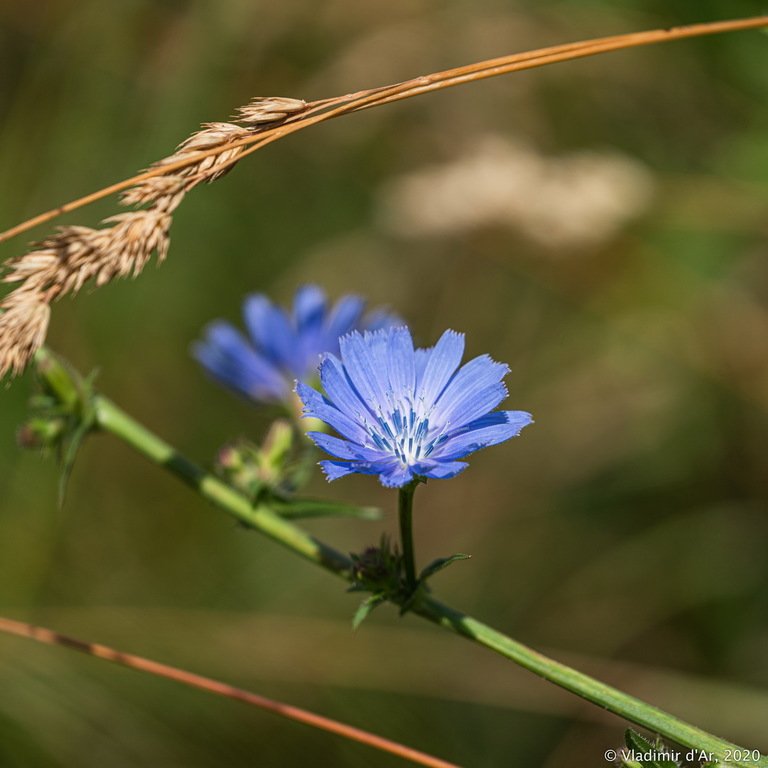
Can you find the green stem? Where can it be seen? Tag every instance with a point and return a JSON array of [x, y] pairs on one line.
[[112, 419], [616, 701], [405, 513]]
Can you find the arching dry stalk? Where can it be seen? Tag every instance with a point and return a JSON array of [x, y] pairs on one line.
[[73, 256]]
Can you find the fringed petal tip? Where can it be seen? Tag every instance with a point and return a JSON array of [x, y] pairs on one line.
[[519, 419], [333, 470]]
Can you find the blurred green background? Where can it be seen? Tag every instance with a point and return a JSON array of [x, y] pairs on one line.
[[600, 225]]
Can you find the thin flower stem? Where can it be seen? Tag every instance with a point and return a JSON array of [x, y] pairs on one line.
[[112, 419], [325, 109], [49, 637], [405, 513]]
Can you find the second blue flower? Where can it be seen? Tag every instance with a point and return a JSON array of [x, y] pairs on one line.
[[281, 346]]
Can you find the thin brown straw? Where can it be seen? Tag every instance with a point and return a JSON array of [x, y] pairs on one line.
[[328, 108], [49, 637]]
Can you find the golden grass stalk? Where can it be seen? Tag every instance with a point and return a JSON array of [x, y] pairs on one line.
[[49, 637], [75, 255]]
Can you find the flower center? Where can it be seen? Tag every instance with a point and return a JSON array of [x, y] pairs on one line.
[[405, 433]]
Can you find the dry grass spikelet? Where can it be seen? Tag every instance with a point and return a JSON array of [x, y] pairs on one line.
[[23, 325], [164, 192], [66, 261], [210, 136], [167, 191], [263, 110], [74, 255]]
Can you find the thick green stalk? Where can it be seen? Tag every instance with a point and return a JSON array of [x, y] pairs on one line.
[[112, 419], [75, 394], [612, 699], [405, 514]]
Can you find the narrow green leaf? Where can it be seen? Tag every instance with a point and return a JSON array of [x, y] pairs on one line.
[[365, 608], [68, 407], [442, 562], [73, 442]]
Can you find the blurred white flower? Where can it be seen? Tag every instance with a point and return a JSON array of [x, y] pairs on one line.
[[576, 200]]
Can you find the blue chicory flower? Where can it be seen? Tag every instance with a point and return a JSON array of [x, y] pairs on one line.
[[404, 413], [281, 346]]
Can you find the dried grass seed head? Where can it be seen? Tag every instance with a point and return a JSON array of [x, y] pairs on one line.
[[24, 317], [269, 109]]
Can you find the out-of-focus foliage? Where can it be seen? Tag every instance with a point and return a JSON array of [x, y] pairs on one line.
[[627, 525]]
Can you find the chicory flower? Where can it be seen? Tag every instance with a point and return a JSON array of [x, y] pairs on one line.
[[403, 413], [281, 346]]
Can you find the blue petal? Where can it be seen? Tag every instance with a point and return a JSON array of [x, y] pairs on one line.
[[364, 370], [227, 356], [474, 405], [341, 392], [341, 449], [344, 449], [439, 470], [401, 363], [443, 361], [335, 469], [342, 319], [391, 473], [311, 366], [489, 430], [316, 405], [378, 344], [517, 419], [380, 320], [271, 331], [473, 391], [395, 476], [309, 308], [520, 419], [421, 358]]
